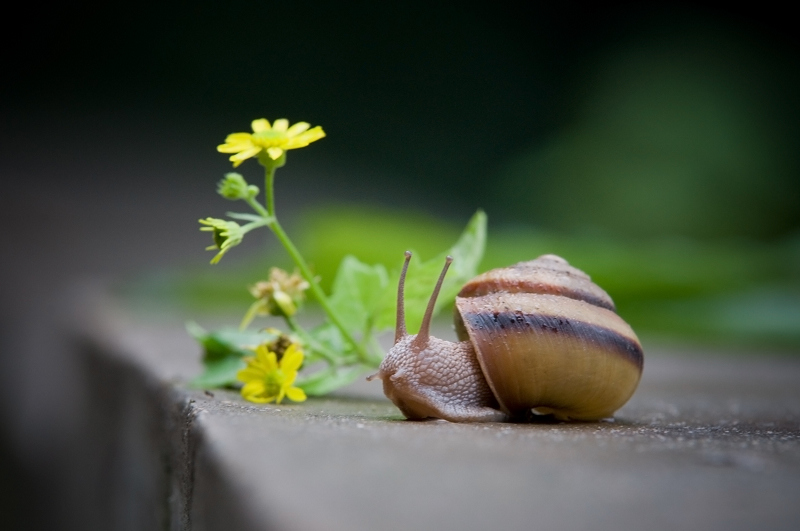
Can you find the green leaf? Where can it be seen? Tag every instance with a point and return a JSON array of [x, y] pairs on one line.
[[329, 337], [357, 291], [328, 380], [467, 253], [219, 373], [223, 351]]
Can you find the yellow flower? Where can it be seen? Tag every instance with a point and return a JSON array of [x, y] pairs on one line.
[[267, 380], [270, 140]]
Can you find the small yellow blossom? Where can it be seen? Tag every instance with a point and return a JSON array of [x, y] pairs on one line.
[[271, 141], [268, 380], [226, 234]]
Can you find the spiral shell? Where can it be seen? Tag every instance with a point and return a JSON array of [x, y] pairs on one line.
[[548, 338]]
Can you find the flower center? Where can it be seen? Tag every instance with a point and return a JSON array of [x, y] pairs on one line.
[[273, 383], [268, 139]]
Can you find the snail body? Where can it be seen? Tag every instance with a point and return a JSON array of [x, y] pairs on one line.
[[538, 335]]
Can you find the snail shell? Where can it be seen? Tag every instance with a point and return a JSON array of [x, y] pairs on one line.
[[538, 335], [547, 337]]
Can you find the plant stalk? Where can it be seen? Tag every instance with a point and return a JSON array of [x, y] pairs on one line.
[[300, 262], [311, 342]]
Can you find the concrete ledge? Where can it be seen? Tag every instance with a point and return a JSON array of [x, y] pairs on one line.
[[706, 443]]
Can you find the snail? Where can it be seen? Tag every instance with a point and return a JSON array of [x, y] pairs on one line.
[[538, 336]]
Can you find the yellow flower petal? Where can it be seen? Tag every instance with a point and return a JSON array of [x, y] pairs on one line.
[[269, 360], [292, 359], [304, 139], [250, 374], [295, 394], [274, 153], [281, 124], [260, 125], [254, 392], [261, 356], [257, 386], [297, 128], [234, 148], [246, 154], [238, 138], [258, 399]]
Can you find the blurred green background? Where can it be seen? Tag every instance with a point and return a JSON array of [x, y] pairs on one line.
[[655, 147]]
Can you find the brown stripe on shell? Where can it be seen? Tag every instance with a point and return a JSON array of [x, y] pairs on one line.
[[611, 341], [560, 314], [548, 274]]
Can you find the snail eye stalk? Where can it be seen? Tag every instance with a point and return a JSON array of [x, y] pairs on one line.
[[425, 329], [400, 326]]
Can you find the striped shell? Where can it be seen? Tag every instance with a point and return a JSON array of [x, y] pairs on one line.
[[548, 338]]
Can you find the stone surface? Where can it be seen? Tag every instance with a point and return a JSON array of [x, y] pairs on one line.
[[707, 442]]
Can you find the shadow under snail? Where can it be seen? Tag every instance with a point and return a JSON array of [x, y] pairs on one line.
[[536, 336]]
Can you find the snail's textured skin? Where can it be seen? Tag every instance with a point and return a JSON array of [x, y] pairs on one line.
[[442, 381], [537, 335]]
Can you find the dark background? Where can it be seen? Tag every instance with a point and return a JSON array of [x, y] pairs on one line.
[[444, 103], [639, 121]]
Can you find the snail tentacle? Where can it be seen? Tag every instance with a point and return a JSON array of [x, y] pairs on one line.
[[400, 324], [425, 327]]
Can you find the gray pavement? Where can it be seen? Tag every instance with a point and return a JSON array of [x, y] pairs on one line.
[[707, 442]]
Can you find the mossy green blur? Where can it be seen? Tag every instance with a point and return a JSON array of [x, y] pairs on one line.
[[734, 292]]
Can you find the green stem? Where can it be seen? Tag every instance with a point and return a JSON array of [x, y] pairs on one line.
[[255, 205], [255, 224], [269, 192], [300, 262], [315, 289], [311, 342], [295, 327]]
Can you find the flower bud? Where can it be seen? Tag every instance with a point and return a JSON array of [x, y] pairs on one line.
[[281, 295], [226, 234], [234, 187], [283, 303]]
